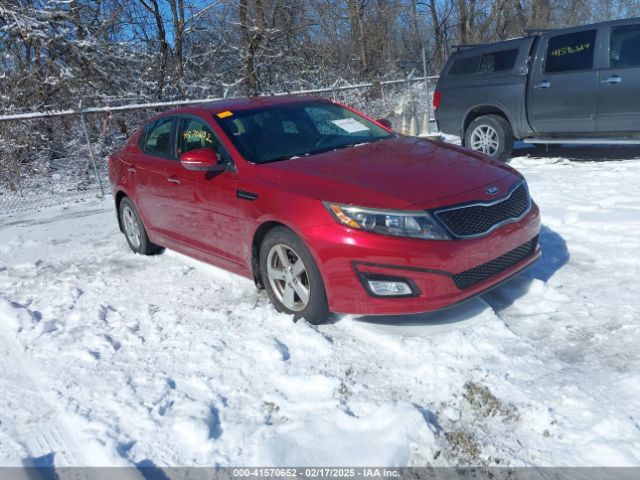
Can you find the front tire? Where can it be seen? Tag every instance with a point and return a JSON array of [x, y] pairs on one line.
[[291, 277], [491, 135], [134, 230]]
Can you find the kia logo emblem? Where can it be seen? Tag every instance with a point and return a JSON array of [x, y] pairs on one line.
[[492, 190]]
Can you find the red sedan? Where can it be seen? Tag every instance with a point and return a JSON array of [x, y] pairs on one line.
[[324, 207]]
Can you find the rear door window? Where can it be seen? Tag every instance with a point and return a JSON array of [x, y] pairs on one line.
[[157, 141], [624, 46], [571, 52]]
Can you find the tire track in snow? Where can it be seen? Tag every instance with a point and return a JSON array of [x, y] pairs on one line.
[[21, 389], [50, 442]]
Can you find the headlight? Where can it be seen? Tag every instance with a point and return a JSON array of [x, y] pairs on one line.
[[388, 222]]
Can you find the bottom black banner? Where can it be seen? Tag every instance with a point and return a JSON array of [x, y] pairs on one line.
[[307, 473]]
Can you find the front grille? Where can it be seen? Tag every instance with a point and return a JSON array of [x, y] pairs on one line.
[[478, 219], [479, 274]]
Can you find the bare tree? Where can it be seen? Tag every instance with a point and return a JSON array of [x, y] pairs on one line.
[[177, 12], [252, 26], [358, 32], [153, 8]]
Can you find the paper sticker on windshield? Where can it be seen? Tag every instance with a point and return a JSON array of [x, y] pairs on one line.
[[350, 125], [225, 114]]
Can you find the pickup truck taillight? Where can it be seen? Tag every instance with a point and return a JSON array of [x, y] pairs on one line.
[[437, 96]]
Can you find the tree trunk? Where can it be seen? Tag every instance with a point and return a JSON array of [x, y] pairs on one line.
[[414, 19], [356, 18], [541, 14], [438, 52], [177, 12], [463, 26], [154, 9], [75, 11], [252, 34]]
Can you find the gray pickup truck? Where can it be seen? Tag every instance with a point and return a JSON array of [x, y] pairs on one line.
[[575, 85]]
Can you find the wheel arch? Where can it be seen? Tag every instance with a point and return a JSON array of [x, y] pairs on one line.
[[118, 199], [480, 111], [258, 237]]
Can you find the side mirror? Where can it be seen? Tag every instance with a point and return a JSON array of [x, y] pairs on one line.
[[385, 122], [201, 159]]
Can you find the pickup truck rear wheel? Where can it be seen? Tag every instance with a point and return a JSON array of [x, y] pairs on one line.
[[491, 135]]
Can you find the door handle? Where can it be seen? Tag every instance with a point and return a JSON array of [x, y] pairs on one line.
[[131, 169], [542, 84], [612, 80], [173, 180]]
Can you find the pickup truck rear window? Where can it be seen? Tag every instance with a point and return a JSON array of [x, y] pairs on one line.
[[488, 63], [498, 61], [572, 51], [465, 66]]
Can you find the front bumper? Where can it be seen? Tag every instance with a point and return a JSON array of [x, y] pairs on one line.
[[443, 272]]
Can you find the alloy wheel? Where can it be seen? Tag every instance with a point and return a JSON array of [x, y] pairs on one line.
[[131, 226], [485, 139], [288, 277]]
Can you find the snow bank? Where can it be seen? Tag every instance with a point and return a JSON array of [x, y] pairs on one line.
[[108, 358]]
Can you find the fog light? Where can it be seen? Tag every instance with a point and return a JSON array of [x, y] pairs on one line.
[[386, 288]]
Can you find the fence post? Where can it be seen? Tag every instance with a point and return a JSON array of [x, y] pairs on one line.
[[93, 158], [426, 127], [413, 126]]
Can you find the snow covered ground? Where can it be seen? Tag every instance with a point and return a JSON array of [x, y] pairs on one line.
[[107, 358]]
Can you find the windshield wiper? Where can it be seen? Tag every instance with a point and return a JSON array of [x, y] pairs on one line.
[[359, 144], [324, 150], [286, 157]]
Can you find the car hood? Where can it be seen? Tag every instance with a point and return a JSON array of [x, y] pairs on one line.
[[399, 172]]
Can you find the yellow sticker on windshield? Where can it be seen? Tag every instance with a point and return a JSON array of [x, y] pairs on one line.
[[201, 135], [225, 114], [568, 50]]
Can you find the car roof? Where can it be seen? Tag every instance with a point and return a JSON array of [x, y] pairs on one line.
[[462, 50], [620, 21], [244, 103], [473, 50], [235, 104]]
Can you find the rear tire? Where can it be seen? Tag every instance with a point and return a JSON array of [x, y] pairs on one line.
[[134, 231], [491, 135], [291, 277]]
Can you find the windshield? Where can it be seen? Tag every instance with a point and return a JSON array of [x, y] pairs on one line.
[[283, 132]]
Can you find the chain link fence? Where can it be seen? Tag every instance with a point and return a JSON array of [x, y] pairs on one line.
[[47, 157]]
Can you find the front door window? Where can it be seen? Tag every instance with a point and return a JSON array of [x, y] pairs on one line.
[[194, 134]]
